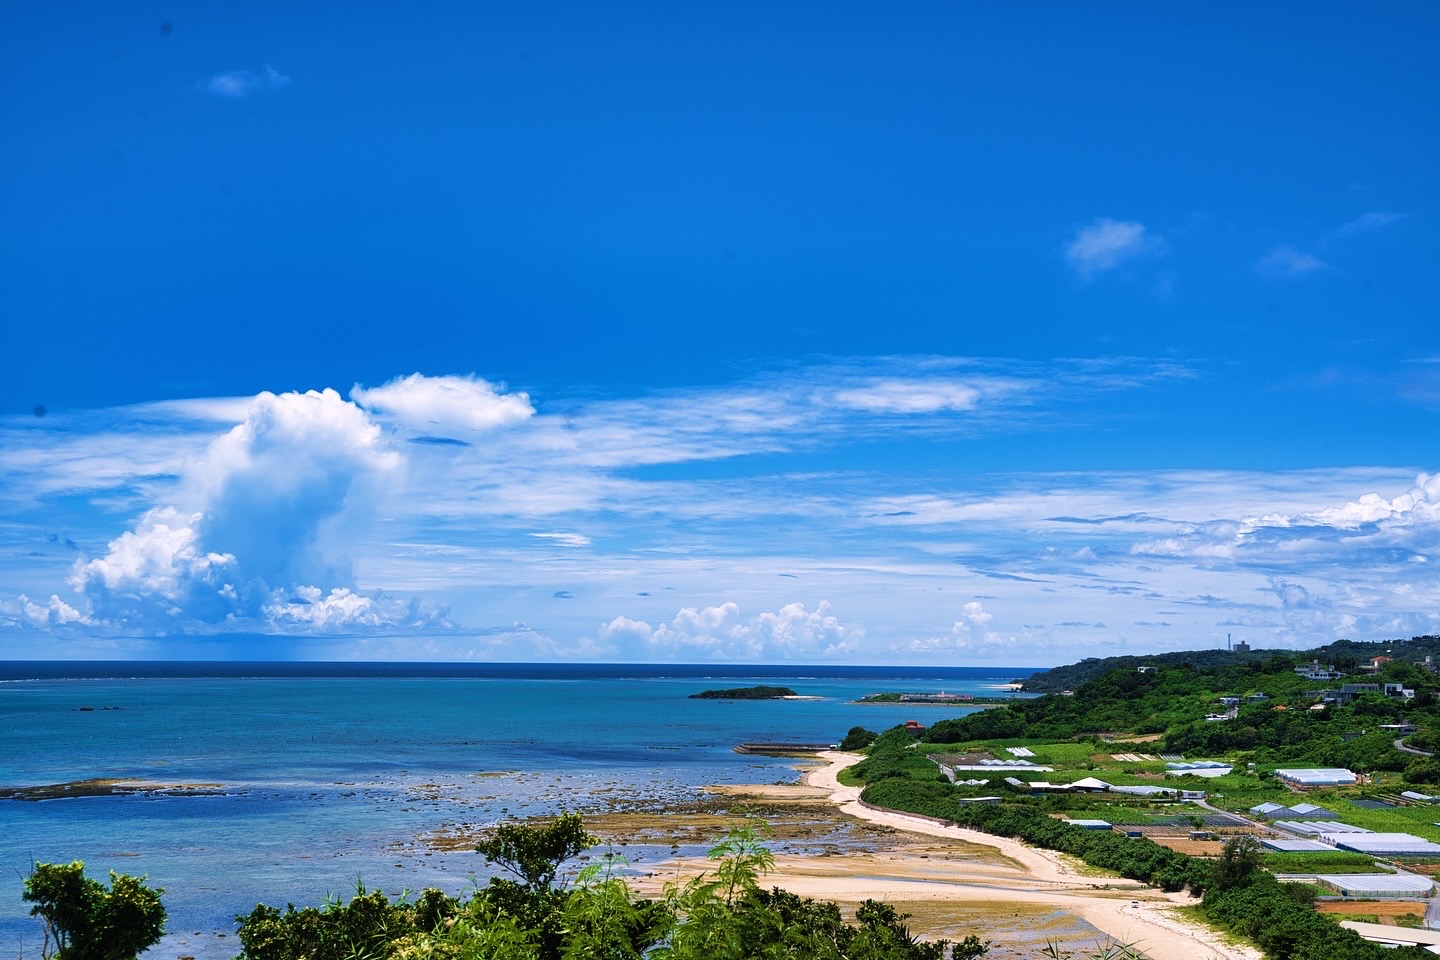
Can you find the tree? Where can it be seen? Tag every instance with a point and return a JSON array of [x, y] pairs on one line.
[[534, 854], [858, 739], [85, 921], [1423, 770], [971, 948], [1236, 864]]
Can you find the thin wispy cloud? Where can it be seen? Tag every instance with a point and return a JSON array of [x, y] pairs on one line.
[[1106, 244], [1371, 222], [911, 396], [563, 539], [238, 84], [1286, 261]]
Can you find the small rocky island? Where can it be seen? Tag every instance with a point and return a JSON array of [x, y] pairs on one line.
[[746, 693]]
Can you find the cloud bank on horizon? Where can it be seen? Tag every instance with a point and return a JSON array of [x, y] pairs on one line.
[[450, 517]]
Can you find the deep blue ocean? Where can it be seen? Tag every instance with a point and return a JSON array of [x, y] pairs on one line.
[[324, 773]]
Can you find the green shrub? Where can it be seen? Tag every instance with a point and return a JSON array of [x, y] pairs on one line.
[[86, 921]]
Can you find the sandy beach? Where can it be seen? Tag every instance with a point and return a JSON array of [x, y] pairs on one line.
[[954, 881]]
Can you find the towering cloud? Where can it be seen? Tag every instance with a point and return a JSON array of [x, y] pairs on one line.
[[249, 545]]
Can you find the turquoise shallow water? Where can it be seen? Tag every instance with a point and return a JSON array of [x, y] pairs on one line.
[[324, 778]]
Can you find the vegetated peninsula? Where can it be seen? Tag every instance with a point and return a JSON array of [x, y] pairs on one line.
[[937, 699], [746, 693]]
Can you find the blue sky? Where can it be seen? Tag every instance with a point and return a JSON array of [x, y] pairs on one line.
[[938, 333]]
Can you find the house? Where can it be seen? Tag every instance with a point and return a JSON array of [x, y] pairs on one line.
[[1313, 671], [1349, 691], [1376, 663]]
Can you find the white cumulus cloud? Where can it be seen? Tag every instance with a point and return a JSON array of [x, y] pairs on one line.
[[721, 632], [971, 636], [974, 614], [55, 613], [252, 546], [1419, 504], [446, 404]]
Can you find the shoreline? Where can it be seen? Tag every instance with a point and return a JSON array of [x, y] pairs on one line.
[[1015, 874]]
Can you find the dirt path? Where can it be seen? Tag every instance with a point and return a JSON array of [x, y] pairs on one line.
[[1128, 912]]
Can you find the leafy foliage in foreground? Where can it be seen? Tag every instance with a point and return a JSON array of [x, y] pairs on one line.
[[720, 915], [86, 921]]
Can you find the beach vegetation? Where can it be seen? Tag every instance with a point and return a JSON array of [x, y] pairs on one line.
[[535, 854], [858, 738], [723, 914], [368, 926], [85, 920], [1239, 862]]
